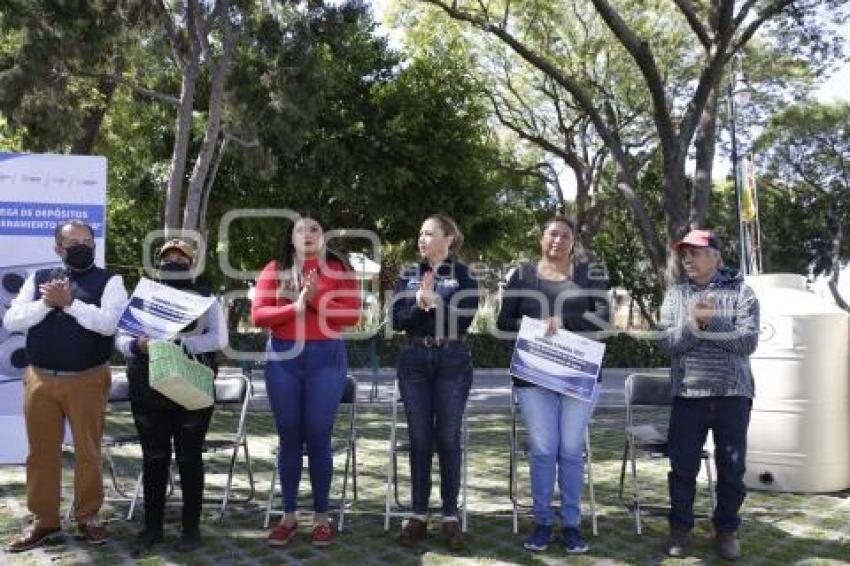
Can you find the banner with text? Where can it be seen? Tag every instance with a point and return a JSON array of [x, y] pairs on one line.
[[37, 191]]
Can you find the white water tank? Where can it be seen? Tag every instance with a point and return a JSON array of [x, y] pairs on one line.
[[799, 436]]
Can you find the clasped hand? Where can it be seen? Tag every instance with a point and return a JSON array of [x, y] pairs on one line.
[[426, 298], [56, 293], [308, 291], [703, 311]]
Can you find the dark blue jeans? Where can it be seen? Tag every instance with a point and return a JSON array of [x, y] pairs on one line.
[[690, 420], [434, 384], [304, 393]]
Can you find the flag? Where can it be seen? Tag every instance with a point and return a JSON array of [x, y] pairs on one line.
[[748, 196]]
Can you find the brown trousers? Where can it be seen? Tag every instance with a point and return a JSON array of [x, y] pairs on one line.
[[48, 401]]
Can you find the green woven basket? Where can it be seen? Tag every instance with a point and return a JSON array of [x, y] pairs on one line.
[[181, 379]]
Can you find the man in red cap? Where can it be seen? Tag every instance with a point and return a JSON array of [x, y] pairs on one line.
[[710, 325]]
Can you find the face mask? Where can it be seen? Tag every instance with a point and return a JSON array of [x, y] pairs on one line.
[[175, 269], [174, 266], [79, 257]]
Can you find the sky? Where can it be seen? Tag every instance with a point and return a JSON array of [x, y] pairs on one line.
[[835, 88]]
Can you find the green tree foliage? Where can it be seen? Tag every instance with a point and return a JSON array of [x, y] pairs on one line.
[[647, 68], [318, 112], [806, 151], [57, 64]]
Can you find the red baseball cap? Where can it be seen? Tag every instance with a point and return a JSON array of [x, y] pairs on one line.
[[698, 239]]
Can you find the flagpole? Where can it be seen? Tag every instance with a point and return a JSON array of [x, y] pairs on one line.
[[736, 169]]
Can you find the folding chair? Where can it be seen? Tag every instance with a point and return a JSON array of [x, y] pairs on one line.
[[232, 392], [119, 393], [518, 450], [349, 447], [363, 356], [648, 391], [396, 446]]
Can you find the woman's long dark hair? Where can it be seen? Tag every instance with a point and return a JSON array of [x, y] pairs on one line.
[[286, 256]]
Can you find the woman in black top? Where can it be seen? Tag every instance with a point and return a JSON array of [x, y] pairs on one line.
[[161, 422], [434, 304], [556, 423]]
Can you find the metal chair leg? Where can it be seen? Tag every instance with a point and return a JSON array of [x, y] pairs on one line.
[[623, 470], [464, 455], [251, 485], [354, 467], [391, 445], [136, 496], [343, 500], [272, 489], [227, 485], [512, 490], [590, 486], [636, 488]]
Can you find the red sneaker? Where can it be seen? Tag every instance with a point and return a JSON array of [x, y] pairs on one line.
[[323, 535], [282, 534]]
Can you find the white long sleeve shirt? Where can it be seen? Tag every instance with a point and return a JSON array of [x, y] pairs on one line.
[[25, 311]]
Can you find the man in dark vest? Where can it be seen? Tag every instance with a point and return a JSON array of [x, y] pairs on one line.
[[70, 315]]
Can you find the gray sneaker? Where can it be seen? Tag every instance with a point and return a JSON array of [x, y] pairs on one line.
[[677, 544], [728, 546]]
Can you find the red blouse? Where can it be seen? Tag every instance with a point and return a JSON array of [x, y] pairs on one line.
[[340, 306]]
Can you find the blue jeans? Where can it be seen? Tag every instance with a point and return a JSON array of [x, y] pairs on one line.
[[304, 393], [690, 420], [556, 430], [434, 385]]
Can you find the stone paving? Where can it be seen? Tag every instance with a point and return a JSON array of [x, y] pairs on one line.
[[778, 528]]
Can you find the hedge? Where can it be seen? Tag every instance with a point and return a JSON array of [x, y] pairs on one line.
[[622, 351]]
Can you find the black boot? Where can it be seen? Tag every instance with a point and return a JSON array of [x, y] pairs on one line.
[[146, 540], [188, 542]]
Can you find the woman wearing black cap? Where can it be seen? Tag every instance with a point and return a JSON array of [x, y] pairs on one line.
[[159, 419]]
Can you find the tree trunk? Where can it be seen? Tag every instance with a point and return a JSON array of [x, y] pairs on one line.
[[654, 248], [205, 155], [582, 198], [205, 200], [182, 137], [837, 226], [705, 144], [675, 191], [213, 127]]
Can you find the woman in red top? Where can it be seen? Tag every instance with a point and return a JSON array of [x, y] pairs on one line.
[[304, 299]]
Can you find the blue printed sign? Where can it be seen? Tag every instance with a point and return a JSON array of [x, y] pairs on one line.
[[41, 218], [563, 362]]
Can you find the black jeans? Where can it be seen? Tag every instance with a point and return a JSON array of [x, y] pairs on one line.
[[157, 426], [434, 385], [690, 420]]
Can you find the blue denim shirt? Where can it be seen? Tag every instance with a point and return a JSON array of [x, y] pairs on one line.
[[457, 300]]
